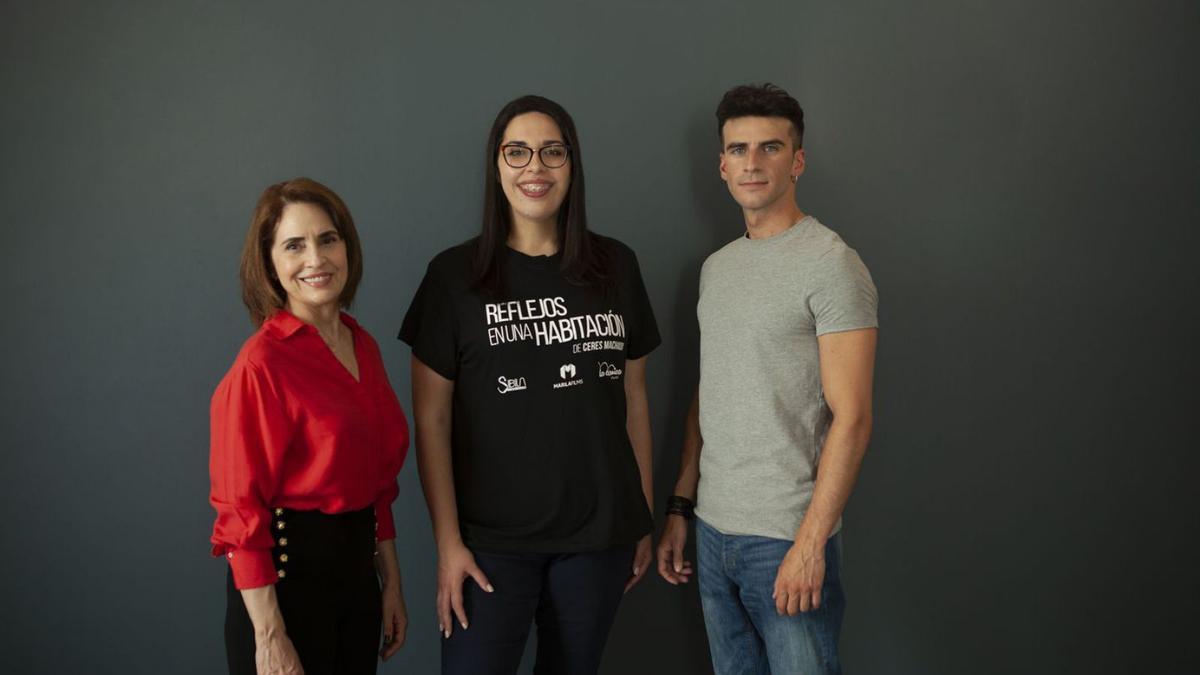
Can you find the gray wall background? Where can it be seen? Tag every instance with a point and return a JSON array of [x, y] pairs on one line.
[[1020, 177]]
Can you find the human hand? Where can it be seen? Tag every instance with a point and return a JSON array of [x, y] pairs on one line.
[[671, 565], [395, 620], [798, 582], [274, 654], [455, 564], [642, 557]]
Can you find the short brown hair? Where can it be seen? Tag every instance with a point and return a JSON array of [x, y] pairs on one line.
[[761, 100], [261, 290]]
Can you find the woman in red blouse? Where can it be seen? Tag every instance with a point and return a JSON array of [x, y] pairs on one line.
[[307, 440]]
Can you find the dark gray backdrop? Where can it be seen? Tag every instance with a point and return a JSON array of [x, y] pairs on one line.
[[1021, 179]]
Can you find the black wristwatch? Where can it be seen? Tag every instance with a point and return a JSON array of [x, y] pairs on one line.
[[681, 506]]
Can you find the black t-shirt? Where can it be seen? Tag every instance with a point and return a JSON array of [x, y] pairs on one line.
[[542, 460]]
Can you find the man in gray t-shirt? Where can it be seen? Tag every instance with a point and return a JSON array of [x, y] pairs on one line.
[[781, 420]]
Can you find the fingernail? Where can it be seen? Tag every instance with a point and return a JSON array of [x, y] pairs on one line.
[[446, 634], [490, 589], [464, 625], [635, 570], [678, 568]]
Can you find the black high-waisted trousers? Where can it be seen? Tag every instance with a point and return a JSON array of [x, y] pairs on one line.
[[328, 592]]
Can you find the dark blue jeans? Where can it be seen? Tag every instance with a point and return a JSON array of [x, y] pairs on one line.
[[573, 598], [745, 634]]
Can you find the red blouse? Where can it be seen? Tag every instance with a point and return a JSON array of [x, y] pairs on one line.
[[292, 428]]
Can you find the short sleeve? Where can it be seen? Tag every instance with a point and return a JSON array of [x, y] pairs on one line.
[[249, 433], [844, 296], [429, 326], [641, 330]]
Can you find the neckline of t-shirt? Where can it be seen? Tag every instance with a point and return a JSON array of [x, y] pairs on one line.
[[535, 260], [786, 234]]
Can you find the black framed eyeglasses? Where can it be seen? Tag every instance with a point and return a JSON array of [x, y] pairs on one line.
[[519, 156]]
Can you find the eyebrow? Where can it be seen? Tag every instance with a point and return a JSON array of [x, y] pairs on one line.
[[544, 143], [744, 144], [332, 230]]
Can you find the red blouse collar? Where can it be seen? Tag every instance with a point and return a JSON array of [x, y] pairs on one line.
[[283, 324]]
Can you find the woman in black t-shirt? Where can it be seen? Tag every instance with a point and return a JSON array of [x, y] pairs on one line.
[[533, 433]]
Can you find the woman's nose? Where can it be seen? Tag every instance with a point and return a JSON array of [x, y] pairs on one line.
[[313, 255]]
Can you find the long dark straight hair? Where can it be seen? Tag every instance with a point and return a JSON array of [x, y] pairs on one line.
[[585, 261]]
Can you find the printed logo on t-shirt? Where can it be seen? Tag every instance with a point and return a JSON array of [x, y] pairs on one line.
[[609, 370], [566, 373], [508, 384], [547, 321]]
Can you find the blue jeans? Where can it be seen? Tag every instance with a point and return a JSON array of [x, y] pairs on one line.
[[745, 634]]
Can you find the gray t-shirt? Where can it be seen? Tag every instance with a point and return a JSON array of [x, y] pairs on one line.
[[763, 416]]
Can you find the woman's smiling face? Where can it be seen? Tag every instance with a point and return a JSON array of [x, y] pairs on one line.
[[309, 257], [535, 192]]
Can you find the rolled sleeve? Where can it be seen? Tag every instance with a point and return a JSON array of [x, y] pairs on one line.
[[251, 568]]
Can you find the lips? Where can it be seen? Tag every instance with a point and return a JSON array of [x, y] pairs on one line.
[[535, 189], [318, 280]]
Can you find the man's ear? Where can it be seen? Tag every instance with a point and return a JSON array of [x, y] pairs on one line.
[[798, 164]]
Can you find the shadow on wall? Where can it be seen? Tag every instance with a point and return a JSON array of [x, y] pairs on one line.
[[718, 221], [657, 611]]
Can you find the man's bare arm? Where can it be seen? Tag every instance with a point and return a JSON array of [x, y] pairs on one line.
[[847, 374], [671, 565], [689, 458]]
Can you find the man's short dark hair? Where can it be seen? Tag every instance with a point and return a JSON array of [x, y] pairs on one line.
[[761, 100]]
